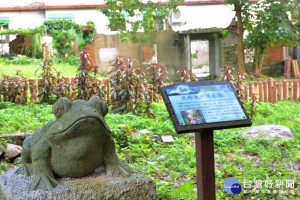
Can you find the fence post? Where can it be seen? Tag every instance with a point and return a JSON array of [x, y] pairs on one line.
[[290, 90], [270, 91], [260, 91], [287, 66], [279, 91], [299, 90], [67, 86], [295, 88], [265, 91], [32, 88], [246, 91], [73, 93], [255, 90], [284, 90], [25, 92], [274, 91], [107, 83]]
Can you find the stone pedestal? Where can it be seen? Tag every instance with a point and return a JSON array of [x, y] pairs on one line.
[[96, 186]]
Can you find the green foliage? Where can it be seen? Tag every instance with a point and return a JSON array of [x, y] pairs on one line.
[[88, 36], [86, 76], [183, 75], [172, 166], [18, 60], [47, 76], [269, 23], [36, 46], [129, 87], [28, 118], [12, 88], [127, 17], [71, 60], [27, 32], [62, 41], [63, 24], [34, 33], [236, 77], [158, 76], [28, 70], [64, 32]]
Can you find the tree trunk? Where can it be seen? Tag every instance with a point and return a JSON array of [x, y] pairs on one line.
[[259, 58], [240, 41]]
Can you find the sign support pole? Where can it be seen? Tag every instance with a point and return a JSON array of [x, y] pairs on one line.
[[205, 165]]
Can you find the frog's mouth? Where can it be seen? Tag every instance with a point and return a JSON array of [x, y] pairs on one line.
[[87, 123]]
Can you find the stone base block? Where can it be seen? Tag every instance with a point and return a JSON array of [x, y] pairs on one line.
[[96, 186]]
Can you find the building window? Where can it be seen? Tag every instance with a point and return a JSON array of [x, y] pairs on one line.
[[61, 16]]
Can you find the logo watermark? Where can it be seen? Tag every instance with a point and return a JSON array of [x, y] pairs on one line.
[[269, 186], [232, 186]]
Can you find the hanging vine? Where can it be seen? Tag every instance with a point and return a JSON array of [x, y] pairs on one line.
[[34, 33]]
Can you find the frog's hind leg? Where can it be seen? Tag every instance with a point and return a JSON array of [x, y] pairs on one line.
[[26, 167], [113, 164]]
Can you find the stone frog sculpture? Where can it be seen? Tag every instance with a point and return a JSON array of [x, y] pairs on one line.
[[73, 145]]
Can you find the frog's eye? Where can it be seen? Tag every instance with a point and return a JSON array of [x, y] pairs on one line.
[[100, 105], [60, 106]]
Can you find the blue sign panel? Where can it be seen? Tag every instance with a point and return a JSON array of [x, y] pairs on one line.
[[204, 104]]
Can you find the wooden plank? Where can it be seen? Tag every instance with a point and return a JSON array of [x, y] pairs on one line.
[[285, 90], [295, 90], [279, 90], [295, 68], [274, 92], [265, 91], [270, 91], [287, 67], [246, 91], [255, 90], [25, 91], [107, 91], [299, 90], [67, 86], [41, 84], [260, 89], [32, 88], [290, 90], [250, 90]]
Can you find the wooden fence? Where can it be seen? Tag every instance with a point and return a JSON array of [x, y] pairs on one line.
[[21, 91], [274, 90]]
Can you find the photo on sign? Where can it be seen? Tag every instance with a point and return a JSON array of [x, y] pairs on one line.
[[192, 117]]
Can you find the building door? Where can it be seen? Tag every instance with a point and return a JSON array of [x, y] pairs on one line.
[[200, 58]]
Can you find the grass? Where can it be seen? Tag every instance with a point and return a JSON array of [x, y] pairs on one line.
[[30, 70], [172, 166]]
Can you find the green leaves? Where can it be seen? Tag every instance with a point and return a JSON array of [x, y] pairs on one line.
[[62, 40], [269, 23], [128, 17]]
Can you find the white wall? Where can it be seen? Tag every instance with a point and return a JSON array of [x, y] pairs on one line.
[[13, 3], [72, 2], [24, 19]]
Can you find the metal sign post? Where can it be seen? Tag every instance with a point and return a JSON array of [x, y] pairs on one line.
[[202, 107]]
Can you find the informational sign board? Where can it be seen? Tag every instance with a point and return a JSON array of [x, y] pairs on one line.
[[194, 106]]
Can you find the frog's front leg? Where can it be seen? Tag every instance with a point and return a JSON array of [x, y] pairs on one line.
[[43, 177], [112, 162], [26, 168]]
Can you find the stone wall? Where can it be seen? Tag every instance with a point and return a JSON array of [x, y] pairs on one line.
[[167, 48], [230, 55], [273, 69]]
